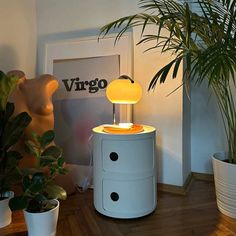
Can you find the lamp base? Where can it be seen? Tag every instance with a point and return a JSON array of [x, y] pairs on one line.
[[118, 129]]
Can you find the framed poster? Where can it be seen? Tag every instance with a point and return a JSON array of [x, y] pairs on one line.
[[83, 68]]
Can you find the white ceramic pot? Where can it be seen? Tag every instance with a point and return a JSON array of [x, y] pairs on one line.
[[42, 224], [225, 184], [5, 211]]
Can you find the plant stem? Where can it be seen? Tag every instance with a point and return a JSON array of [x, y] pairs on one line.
[[224, 95]]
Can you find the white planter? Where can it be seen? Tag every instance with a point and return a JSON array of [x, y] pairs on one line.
[[225, 184], [42, 224], [5, 211]]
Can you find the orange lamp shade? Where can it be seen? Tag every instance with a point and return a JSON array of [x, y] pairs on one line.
[[124, 91]]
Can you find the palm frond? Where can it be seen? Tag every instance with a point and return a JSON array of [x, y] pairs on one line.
[[205, 40]]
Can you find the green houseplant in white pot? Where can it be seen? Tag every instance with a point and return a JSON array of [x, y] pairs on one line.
[[11, 130], [39, 191], [205, 40]]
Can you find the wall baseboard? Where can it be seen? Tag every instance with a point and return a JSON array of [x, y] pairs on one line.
[[202, 176], [183, 190]]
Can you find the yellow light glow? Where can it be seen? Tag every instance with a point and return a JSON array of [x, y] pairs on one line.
[[117, 129], [124, 91], [126, 125]]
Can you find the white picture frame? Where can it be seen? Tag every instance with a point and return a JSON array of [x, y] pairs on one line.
[[90, 47]]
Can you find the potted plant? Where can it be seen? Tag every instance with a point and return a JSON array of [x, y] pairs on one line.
[[205, 41], [11, 130], [39, 191]]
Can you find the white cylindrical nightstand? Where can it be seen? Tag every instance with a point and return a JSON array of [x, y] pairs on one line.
[[124, 174]]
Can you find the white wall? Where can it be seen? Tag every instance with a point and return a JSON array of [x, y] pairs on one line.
[[71, 15], [207, 133], [18, 36], [59, 19]]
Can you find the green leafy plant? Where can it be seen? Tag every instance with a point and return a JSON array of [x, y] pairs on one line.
[[205, 40], [11, 130], [38, 183]]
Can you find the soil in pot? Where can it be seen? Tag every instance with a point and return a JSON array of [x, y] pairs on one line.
[[39, 207]]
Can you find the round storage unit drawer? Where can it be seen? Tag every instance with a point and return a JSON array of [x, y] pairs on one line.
[[128, 155], [129, 198]]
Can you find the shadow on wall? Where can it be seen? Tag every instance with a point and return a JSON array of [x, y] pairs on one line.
[[8, 58], [169, 165], [207, 130], [159, 159]]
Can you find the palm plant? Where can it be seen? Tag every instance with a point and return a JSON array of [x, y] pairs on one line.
[[204, 39]]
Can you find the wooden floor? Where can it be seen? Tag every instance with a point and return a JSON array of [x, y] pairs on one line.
[[176, 215]]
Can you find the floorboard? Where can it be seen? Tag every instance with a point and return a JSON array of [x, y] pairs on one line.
[[194, 214]]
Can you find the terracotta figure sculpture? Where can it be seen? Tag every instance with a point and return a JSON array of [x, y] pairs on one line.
[[35, 97]]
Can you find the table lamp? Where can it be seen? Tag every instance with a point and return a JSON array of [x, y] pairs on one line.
[[123, 92]]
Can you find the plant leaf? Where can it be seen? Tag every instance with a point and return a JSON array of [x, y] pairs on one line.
[[14, 129], [46, 160], [53, 151], [55, 192], [31, 148], [18, 203], [61, 161], [10, 107], [7, 85], [37, 182], [47, 138]]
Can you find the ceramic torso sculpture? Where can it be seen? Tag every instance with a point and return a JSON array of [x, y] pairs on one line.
[[35, 97]]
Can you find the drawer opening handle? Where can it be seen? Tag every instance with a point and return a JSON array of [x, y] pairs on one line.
[[114, 156], [114, 196]]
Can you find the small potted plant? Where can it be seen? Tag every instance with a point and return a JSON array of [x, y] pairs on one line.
[[39, 191], [11, 130]]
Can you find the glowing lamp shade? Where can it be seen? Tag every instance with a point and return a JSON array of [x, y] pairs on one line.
[[124, 91]]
